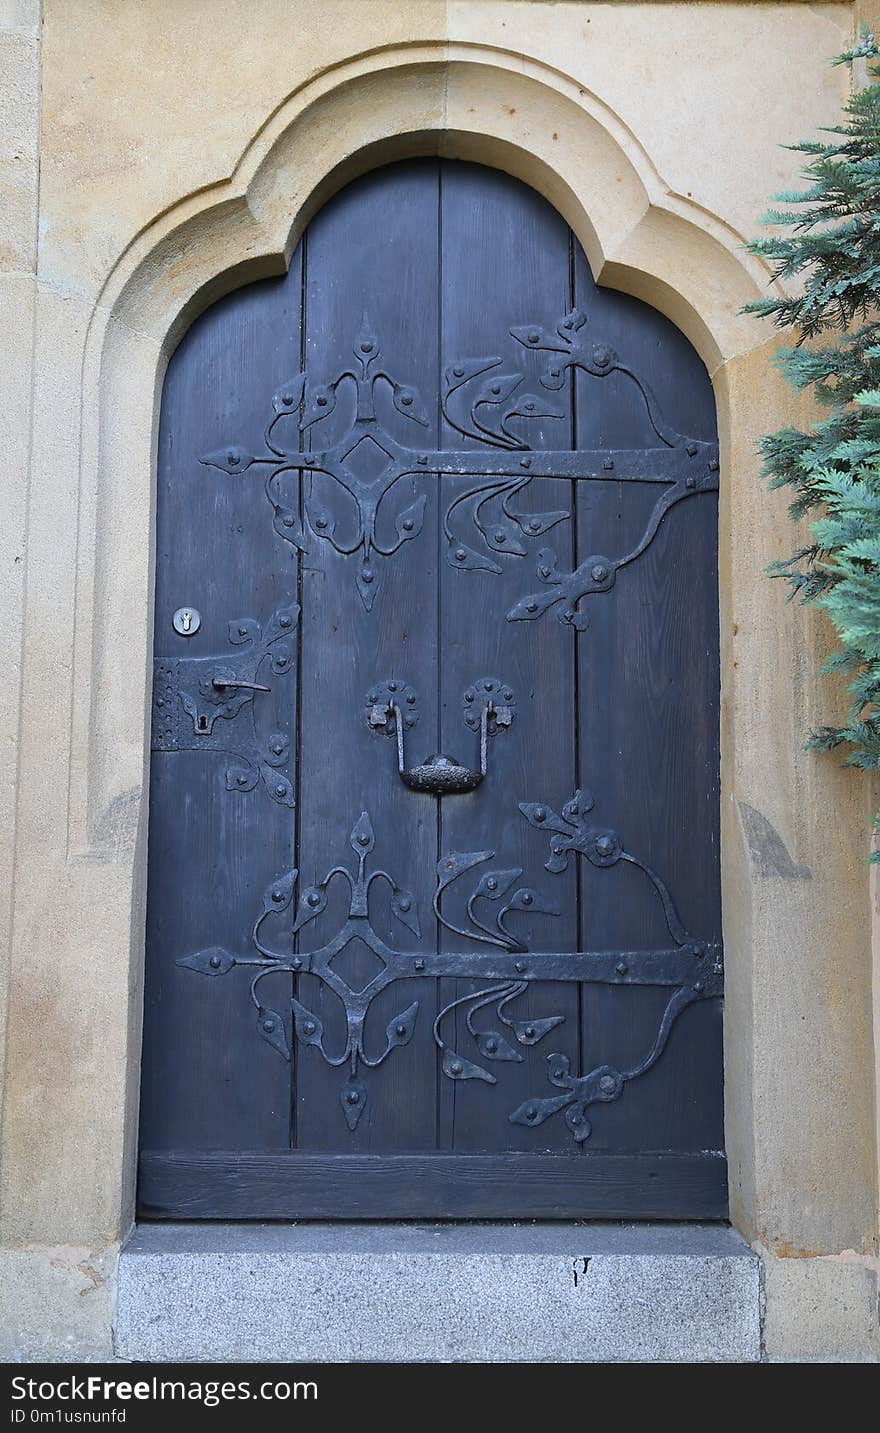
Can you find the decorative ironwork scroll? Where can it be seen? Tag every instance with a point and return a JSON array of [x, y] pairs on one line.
[[195, 699], [483, 405], [690, 968]]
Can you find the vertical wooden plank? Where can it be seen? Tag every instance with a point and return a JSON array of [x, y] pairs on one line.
[[209, 1080], [372, 260], [504, 263], [648, 681]]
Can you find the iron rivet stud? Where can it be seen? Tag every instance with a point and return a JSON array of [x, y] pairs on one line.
[[690, 482], [554, 372], [608, 464], [568, 614], [529, 1032], [392, 686], [496, 388], [420, 965], [507, 694], [278, 895], [543, 570], [525, 462], [491, 1046], [286, 620], [287, 398], [241, 779], [604, 845], [309, 1027], [534, 336], [268, 1026], [519, 967], [366, 575], [313, 899], [500, 536], [297, 962], [527, 898], [321, 400], [320, 522], [490, 686], [607, 1083], [699, 986], [410, 699], [363, 839], [353, 1097], [406, 399], [713, 465], [232, 458], [242, 631], [460, 554], [405, 903], [455, 1068], [531, 1113], [599, 572], [277, 748], [287, 520], [408, 524], [531, 606], [216, 961], [367, 346], [569, 323], [621, 968], [692, 450], [575, 1118], [540, 813], [458, 371], [400, 1031], [280, 789], [469, 696], [423, 460], [491, 884], [699, 951]]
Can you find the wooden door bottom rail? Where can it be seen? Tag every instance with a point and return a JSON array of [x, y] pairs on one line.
[[297, 1185]]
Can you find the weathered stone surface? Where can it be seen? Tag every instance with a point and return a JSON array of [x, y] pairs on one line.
[[438, 1294], [56, 1304], [822, 1310]]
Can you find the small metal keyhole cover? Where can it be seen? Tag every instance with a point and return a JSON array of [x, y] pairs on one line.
[[187, 621]]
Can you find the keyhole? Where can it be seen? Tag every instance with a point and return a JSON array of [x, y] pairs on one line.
[[186, 621], [203, 723]]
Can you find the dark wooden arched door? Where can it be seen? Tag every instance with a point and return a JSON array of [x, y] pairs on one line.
[[434, 913]]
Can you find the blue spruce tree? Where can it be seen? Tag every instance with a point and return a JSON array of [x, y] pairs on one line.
[[828, 254]]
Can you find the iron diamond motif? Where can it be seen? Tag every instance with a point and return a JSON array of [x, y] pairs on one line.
[[499, 959], [488, 521]]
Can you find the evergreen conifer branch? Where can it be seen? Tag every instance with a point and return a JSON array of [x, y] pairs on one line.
[[830, 247]]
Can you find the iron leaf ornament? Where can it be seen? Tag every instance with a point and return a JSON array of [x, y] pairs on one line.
[[486, 896], [374, 512]]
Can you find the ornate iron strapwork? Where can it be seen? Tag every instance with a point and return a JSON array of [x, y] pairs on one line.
[[487, 407], [196, 700], [689, 967]]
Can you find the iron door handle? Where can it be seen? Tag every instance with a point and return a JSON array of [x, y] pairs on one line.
[[441, 775], [220, 684]]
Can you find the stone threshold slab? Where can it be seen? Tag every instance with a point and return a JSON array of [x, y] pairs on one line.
[[438, 1293]]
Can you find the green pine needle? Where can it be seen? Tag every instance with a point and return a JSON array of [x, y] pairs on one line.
[[830, 244]]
